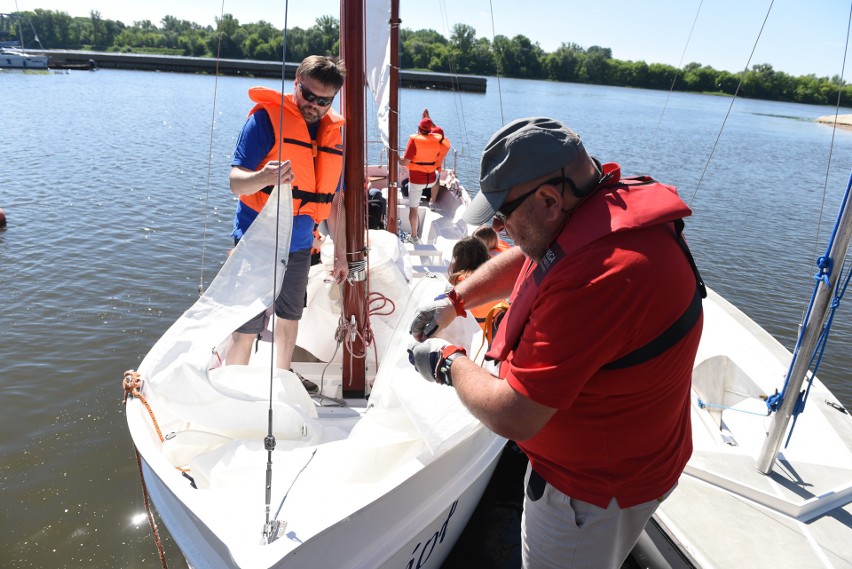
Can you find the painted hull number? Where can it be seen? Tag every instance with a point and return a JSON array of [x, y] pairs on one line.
[[423, 551]]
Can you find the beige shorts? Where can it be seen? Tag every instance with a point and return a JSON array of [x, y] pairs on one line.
[[415, 192]]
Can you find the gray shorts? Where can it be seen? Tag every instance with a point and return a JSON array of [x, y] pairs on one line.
[[292, 299], [560, 532]]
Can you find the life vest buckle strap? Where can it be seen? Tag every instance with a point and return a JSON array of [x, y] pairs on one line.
[[311, 197]]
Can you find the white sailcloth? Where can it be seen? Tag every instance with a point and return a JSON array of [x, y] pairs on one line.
[[377, 39]]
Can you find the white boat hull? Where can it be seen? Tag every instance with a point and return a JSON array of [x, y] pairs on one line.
[[414, 525], [389, 483], [19, 60]]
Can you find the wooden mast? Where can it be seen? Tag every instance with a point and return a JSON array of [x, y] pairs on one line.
[[355, 289], [393, 120]]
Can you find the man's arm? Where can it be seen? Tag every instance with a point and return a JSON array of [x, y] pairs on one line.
[[494, 280], [246, 182], [491, 282], [337, 227], [493, 401]]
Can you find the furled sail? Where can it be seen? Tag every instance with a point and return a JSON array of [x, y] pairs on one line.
[[378, 61]]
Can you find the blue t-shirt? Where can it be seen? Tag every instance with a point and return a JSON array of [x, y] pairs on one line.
[[255, 141]]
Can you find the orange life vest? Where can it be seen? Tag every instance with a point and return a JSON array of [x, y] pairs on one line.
[[427, 153], [442, 150], [316, 164], [617, 205]]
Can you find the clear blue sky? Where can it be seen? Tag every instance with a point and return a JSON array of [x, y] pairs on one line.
[[800, 37]]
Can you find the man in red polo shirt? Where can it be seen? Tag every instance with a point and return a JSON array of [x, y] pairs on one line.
[[596, 350]]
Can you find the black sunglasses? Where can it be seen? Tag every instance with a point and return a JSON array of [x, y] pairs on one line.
[[310, 97], [505, 210]]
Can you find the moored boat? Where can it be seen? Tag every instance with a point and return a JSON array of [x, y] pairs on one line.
[[12, 52], [379, 468]]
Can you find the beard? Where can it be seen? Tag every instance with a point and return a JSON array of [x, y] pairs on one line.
[[310, 113], [535, 238], [531, 240]]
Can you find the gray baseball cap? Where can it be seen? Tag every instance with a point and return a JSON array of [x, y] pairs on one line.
[[523, 150]]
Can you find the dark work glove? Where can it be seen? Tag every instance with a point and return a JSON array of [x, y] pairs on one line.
[[436, 316], [432, 358]]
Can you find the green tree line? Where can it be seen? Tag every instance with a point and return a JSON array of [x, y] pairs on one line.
[[462, 53]]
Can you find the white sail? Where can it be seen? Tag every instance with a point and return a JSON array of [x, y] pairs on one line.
[[378, 61]]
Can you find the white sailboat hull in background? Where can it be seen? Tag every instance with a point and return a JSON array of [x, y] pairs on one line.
[[724, 513], [17, 59]]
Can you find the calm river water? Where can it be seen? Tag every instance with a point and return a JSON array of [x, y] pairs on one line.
[[114, 186]]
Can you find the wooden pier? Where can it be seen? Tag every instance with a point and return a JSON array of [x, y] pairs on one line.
[[73, 59]]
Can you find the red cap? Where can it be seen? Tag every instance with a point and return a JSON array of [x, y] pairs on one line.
[[425, 125]]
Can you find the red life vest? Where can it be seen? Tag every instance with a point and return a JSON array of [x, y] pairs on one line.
[[316, 164], [616, 205]]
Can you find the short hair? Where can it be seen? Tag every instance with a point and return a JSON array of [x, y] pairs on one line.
[[487, 235], [468, 254], [330, 71]]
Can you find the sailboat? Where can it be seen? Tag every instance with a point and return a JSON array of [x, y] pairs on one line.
[[12, 52], [380, 468], [769, 483]]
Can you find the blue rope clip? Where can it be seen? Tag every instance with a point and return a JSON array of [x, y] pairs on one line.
[[773, 402], [825, 265]]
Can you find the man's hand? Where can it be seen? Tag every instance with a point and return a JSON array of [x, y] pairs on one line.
[[274, 172], [436, 316], [426, 356], [432, 318], [340, 269], [433, 359]]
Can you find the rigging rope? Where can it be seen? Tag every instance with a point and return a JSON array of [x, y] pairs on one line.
[[674, 79], [825, 265], [825, 268], [840, 86], [149, 513], [731, 106], [497, 62], [210, 152], [457, 99], [270, 529]]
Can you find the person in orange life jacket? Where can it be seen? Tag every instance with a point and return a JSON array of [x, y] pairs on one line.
[[487, 235], [421, 159], [604, 325], [468, 254], [312, 159]]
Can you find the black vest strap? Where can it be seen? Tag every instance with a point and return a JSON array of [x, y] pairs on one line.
[[679, 328], [307, 197]]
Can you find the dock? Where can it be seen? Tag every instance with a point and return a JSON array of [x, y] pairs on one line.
[[76, 59]]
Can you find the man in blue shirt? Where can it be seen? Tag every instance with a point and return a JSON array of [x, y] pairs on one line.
[[310, 157]]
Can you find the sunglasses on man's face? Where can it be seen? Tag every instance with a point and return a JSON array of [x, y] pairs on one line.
[[505, 210], [310, 97]]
